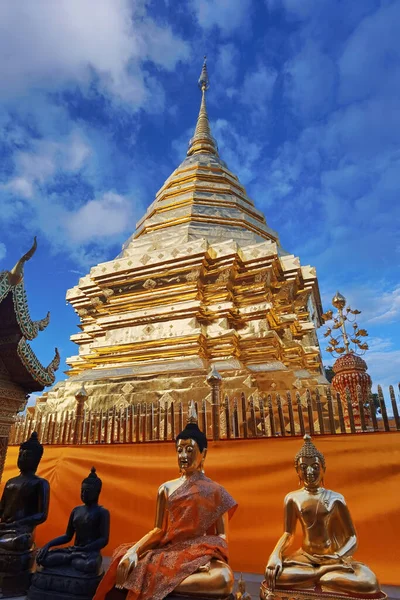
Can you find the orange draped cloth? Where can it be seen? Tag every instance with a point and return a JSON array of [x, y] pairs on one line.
[[188, 544], [365, 468]]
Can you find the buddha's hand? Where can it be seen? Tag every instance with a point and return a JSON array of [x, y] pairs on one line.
[[41, 555], [126, 564], [273, 570]]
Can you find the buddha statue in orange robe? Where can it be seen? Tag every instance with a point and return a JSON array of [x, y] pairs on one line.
[[324, 563], [186, 553]]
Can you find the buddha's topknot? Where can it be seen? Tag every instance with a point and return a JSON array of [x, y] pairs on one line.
[[308, 450]]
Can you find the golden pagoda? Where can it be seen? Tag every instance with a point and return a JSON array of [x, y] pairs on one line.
[[203, 281]]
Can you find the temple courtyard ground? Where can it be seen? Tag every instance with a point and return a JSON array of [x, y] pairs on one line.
[[253, 586]]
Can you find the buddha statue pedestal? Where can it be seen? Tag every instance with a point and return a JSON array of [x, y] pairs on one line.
[[66, 583], [74, 572], [284, 594], [122, 594], [15, 572]]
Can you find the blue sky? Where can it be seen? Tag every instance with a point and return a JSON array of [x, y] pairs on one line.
[[98, 101]]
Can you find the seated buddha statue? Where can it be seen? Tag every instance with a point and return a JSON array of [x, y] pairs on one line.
[[242, 594], [324, 563], [24, 505], [75, 570], [186, 553]]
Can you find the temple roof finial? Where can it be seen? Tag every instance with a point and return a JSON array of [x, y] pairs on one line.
[[202, 141], [16, 274]]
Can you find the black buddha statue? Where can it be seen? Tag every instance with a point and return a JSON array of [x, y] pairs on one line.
[[75, 571], [24, 504]]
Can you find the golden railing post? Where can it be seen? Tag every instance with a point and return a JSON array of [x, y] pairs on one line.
[[332, 425], [350, 411], [290, 411], [340, 413], [180, 416], [383, 409], [244, 413], [280, 415], [394, 407], [262, 417], [319, 412], [372, 410], [271, 416], [236, 418], [227, 417], [361, 408], [300, 413], [310, 413], [214, 380], [253, 422], [81, 396], [203, 416]]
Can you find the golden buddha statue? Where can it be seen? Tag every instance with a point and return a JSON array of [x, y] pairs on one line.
[[186, 553], [324, 563], [241, 594]]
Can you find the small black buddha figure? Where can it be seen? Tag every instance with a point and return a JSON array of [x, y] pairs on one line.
[[24, 504], [75, 571]]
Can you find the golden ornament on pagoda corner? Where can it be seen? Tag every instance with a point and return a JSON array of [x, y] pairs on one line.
[[324, 565], [351, 377]]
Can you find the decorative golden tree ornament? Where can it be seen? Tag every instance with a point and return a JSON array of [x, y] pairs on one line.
[[350, 369]]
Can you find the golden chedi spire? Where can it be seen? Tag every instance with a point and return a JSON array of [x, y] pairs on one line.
[[202, 141]]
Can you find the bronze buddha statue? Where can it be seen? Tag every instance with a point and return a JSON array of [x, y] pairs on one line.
[[75, 571], [23, 506], [242, 594], [324, 563], [186, 553]]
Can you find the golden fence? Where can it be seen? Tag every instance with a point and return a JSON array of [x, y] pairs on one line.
[[239, 417]]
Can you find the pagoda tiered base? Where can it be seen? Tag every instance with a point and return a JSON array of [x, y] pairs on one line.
[[283, 594]]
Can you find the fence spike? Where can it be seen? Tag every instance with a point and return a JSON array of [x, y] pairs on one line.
[[394, 407]]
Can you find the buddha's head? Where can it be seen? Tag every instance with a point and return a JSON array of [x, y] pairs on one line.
[[91, 488], [191, 448], [310, 465], [30, 453]]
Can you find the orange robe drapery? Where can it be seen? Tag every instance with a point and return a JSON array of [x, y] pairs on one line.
[[193, 509]]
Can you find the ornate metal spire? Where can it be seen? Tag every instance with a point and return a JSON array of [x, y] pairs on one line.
[[192, 414], [202, 140]]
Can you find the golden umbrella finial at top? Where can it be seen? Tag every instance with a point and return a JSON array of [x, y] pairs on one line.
[[202, 141]]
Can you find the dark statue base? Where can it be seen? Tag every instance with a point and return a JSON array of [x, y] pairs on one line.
[[63, 584], [315, 594], [15, 572], [121, 595]]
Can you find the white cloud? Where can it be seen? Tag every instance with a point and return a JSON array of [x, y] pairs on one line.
[[36, 166], [236, 150], [3, 250], [381, 306], [371, 57], [45, 44], [310, 81], [228, 15], [258, 87], [106, 216], [226, 66]]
